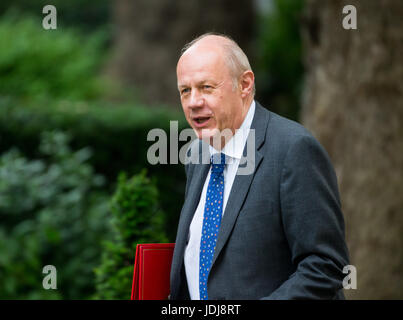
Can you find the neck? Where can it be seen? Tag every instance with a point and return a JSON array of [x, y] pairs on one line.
[[246, 106]]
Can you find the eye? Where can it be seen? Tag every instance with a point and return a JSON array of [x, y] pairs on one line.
[[207, 87], [185, 90]]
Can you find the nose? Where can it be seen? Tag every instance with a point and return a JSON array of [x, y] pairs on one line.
[[196, 99]]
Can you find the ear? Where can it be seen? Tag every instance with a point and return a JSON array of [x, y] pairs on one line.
[[247, 81]]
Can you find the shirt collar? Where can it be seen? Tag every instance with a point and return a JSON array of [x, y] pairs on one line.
[[234, 147]]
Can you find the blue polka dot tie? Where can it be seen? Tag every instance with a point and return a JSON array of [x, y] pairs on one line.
[[211, 220]]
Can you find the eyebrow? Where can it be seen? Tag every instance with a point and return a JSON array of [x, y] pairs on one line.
[[198, 83], [182, 86]]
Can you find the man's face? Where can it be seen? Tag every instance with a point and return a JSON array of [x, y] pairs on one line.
[[209, 101]]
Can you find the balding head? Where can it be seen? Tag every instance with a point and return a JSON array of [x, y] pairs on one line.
[[234, 57]]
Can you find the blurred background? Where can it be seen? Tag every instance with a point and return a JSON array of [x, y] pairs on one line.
[[76, 104]]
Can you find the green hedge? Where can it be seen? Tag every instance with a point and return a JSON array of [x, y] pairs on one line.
[[116, 134], [84, 15], [49, 81], [60, 63], [52, 212], [137, 218]]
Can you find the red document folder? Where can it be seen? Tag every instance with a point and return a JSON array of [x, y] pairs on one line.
[[152, 267]]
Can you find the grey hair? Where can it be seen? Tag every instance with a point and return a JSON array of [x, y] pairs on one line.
[[236, 59]]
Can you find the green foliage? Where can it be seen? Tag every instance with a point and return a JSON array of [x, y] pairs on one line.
[[137, 218], [116, 134], [279, 68], [82, 14], [52, 213], [36, 63]]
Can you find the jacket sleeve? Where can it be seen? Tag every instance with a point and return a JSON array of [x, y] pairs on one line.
[[313, 223]]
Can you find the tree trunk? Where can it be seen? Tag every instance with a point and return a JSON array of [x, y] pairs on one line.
[[353, 104], [149, 35]]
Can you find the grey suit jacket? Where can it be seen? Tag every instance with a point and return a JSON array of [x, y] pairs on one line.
[[282, 233]]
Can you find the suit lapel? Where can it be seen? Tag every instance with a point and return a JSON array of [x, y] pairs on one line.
[[195, 189], [242, 183], [196, 181]]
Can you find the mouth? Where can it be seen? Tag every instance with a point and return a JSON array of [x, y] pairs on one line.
[[200, 121]]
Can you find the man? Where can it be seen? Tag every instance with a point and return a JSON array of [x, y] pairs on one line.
[[276, 232]]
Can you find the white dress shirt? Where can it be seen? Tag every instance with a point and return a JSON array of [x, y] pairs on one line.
[[233, 150]]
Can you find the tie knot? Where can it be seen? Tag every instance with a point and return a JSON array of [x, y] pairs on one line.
[[217, 162]]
